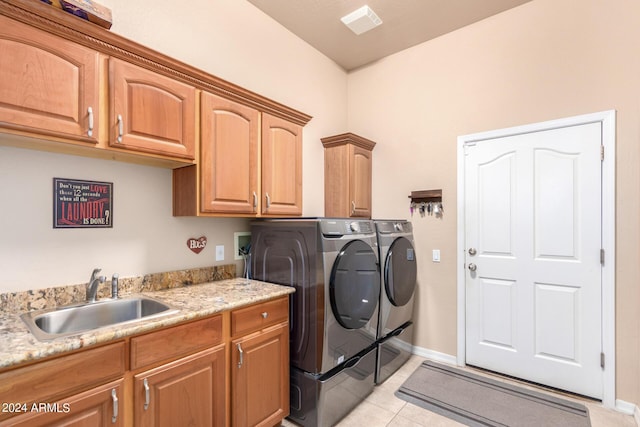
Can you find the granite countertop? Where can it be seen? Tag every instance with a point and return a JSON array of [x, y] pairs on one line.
[[18, 345]]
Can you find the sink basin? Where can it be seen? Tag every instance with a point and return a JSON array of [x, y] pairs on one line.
[[50, 324]]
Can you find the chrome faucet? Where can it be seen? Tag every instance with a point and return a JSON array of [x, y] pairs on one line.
[[92, 286]]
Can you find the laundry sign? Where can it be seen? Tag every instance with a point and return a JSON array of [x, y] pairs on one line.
[[82, 204]]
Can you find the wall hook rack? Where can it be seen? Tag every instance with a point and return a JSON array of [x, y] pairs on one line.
[[427, 202]]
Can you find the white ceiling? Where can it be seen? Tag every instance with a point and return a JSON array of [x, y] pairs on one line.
[[405, 23]]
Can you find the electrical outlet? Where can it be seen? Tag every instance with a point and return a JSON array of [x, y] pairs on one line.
[[436, 255], [220, 253]]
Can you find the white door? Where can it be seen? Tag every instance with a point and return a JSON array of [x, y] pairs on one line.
[[533, 224]]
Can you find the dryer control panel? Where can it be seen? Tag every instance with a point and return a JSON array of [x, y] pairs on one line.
[[393, 226]]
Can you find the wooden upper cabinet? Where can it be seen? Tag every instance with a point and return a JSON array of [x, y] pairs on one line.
[[150, 112], [64, 79], [48, 85], [228, 156], [347, 176], [281, 167], [250, 164], [360, 181]]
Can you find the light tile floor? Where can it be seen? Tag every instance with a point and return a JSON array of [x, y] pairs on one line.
[[382, 408]]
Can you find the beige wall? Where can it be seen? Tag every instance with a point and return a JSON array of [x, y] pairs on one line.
[[228, 38], [544, 60]]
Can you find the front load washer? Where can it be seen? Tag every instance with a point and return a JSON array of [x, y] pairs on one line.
[[333, 265], [398, 278]]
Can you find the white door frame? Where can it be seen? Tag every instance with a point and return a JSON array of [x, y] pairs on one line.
[[608, 121]]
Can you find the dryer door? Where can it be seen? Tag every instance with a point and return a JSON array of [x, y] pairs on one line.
[[400, 272], [355, 285]]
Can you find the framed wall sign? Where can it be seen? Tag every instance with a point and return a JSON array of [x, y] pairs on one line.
[[82, 204]]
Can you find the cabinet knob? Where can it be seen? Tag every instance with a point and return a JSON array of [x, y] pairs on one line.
[[264, 315]]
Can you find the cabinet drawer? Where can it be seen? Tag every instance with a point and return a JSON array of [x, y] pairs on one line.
[[63, 376], [249, 319], [175, 341]]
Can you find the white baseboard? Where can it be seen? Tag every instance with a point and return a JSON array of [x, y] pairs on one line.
[[436, 356], [629, 409], [636, 414]]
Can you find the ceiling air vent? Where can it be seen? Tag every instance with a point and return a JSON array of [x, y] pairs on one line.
[[361, 20]]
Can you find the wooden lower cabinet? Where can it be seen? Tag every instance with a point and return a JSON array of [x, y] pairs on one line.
[[230, 368], [260, 377], [187, 392], [98, 407]]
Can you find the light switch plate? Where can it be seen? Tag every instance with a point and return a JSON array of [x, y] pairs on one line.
[[436, 255], [220, 253]]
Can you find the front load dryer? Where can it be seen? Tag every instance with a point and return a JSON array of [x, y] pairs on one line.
[[398, 282], [333, 265]]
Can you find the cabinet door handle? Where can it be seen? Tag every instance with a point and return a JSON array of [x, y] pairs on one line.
[[146, 394], [120, 128], [114, 398], [241, 359], [90, 130], [268, 200], [264, 314], [353, 207], [255, 200]]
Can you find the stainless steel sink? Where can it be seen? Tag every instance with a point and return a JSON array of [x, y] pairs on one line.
[[47, 325]]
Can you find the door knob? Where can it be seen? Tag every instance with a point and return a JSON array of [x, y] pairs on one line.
[[473, 267], [472, 251]]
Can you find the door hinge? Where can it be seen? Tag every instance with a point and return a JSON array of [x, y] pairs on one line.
[[602, 153], [602, 360], [601, 256]]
